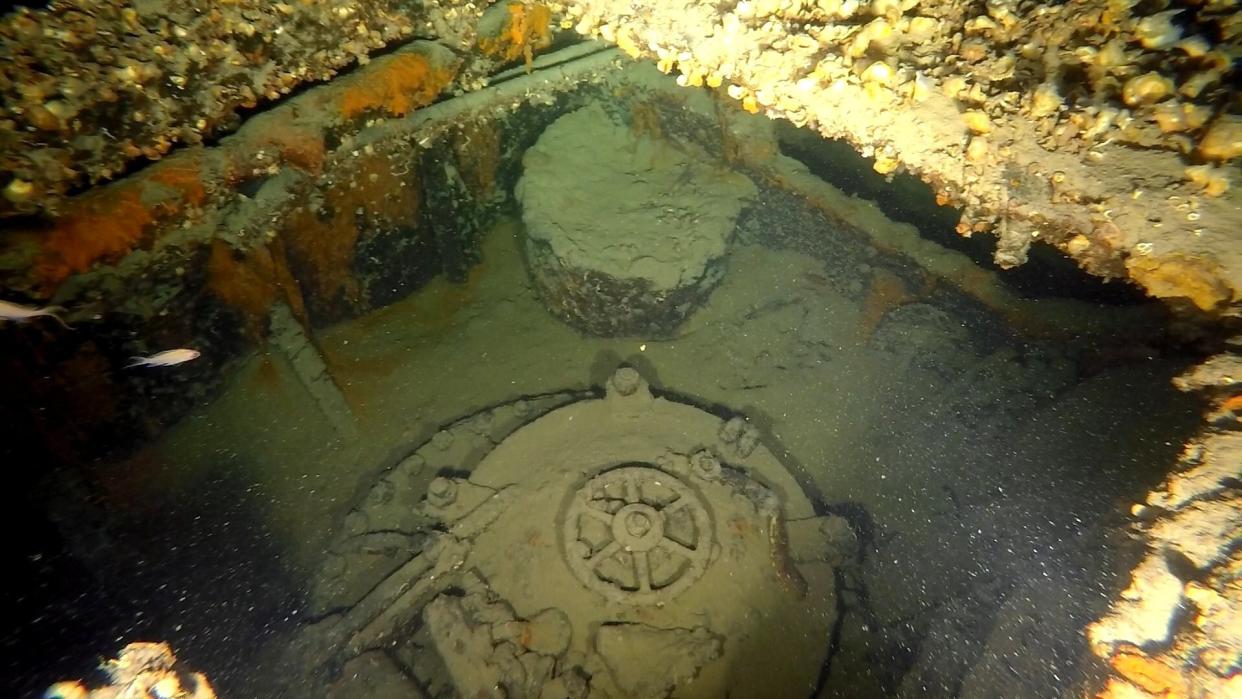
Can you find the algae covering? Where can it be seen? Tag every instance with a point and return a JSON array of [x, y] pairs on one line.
[[358, 247]]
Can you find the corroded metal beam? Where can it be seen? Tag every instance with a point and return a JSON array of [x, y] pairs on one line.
[[89, 88], [1086, 125]]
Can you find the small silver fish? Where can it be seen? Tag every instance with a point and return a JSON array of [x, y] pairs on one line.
[[165, 358], [17, 314]]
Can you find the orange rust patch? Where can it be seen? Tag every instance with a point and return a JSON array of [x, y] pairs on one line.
[[1233, 404], [100, 226], [322, 242], [1117, 689], [247, 285], [1178, 276], [284, 278], [885, 292], [268, 376], [252, 283], [529, 28], [326, 250], [301, 147], [185, 176], [477, 148], [1149, 674], [107, 223], [396, 85]]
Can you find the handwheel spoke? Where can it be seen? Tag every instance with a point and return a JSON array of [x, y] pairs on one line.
[[604, 554], [642, 570], [631, 491], [598, 515], [675, 506], [678, 548]]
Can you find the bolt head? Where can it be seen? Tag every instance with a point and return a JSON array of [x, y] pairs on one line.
[[626, 380], [442, 492]]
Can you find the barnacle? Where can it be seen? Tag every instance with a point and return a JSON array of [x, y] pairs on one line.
[[977, 121], [1045, 101], [977, 150], [885, 164], [1158, 30], [1199, 81], [18, 191], [1223, 140], [1213, 180], [1146, 89], [878, 31], [879, 73], [1175, 117]]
